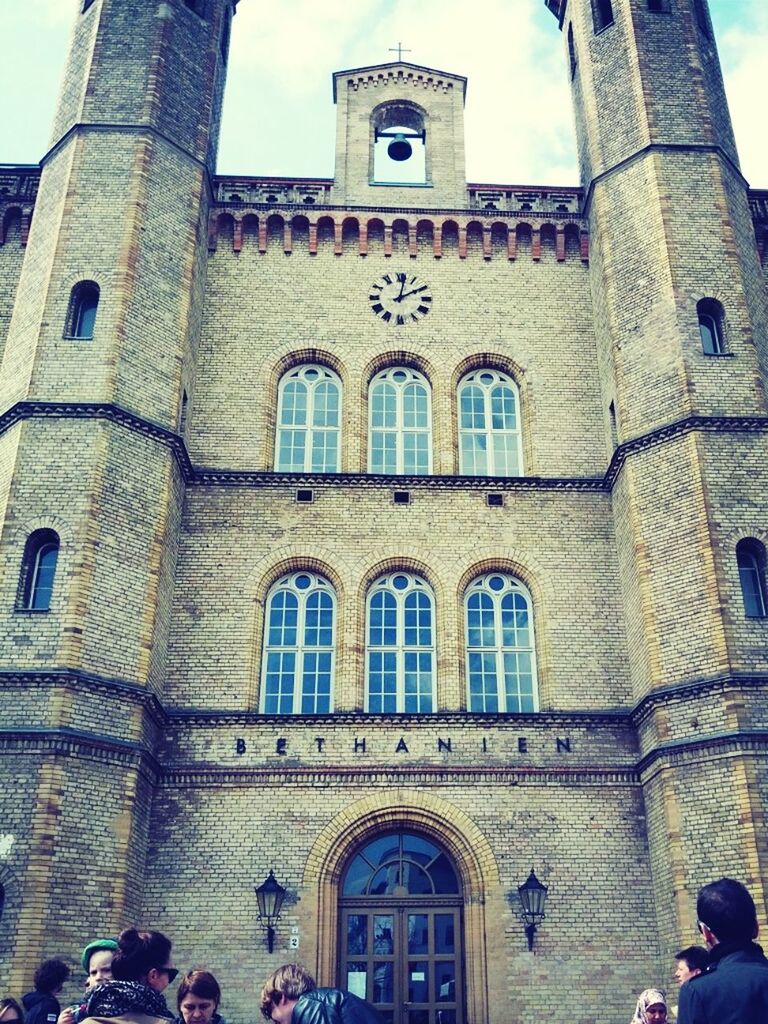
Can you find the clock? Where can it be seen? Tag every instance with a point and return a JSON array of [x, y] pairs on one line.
[[400, 299]]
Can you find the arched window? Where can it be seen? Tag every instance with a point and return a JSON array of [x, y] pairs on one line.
[[401, 646], [399, 144], [501, 670], [750, 558], [41, 554], [489, 425], [401, 433], [81, 316], [711, 317], [308, 421], [299, 642]]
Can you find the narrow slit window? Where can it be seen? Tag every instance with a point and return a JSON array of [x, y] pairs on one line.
[[572, 52], [41, 555], [750, 558], [81, 317], [711, 317], [702, 17], [602, 13]]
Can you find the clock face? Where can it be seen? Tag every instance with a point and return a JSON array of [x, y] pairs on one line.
[[400, 299]]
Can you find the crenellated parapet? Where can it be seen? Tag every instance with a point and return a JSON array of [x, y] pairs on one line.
[[418, 233]]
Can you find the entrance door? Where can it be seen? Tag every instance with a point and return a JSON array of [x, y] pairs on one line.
[[401, 931]]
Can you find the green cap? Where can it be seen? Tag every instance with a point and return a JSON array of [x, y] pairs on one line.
[[94, 947]]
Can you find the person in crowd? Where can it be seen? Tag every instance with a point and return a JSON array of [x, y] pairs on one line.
[[651, 1007], [41, 1005], [690, 961], [97, 961], [142, 969], [291, 996], [198, 999], [734, 987], [11, 1012], [97, 964]]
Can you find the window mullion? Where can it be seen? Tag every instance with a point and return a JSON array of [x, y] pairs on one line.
[[498, 636], [399, 429], [400, 656], [308, 439], [298, 679]]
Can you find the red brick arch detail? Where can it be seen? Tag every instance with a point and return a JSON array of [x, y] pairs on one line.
[[400, 357], [489, 361], [297, 562]]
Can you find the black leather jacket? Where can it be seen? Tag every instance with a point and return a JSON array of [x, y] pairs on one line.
[[332, 1006], [733, 989]]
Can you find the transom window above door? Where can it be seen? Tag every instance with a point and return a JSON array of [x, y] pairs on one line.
[[400, 864]]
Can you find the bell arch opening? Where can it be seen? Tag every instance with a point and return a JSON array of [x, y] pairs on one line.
[[399, 140]]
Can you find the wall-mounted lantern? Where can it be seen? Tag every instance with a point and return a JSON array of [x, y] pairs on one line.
[[270, 895], [533, 896]]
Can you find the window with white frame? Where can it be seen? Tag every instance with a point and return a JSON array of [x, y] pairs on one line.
[[299, 643], [400, 649], [400, 440], [308, 436], [750, 558], [501, 669], [489, 425]]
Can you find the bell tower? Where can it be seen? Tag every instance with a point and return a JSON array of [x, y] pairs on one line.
[[679, 307], [399, 136]]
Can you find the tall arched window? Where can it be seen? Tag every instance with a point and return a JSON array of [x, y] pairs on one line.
[[299, 642], [308, 421], [401, 646], [711, 317], [81, 316], [401, 432], [751, 560], [501, 670], [489, 425], [41, 554]]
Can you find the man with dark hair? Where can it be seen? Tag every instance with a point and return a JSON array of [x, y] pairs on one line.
[[734, 987], [690, 961], [41, 1005]]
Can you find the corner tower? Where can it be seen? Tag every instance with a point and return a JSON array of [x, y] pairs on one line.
[[399, 137], [680, 319], [100, 353]]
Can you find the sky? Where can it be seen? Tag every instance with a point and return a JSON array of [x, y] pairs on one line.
[[279, 116]]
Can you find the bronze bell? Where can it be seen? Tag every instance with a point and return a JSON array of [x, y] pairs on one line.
[[399, 148]]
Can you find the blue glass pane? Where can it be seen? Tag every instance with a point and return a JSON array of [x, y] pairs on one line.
[[415, 406], [503, 410], [283, 618], [418, 620], [480, 621], [382, 630], [384, 405], [472, 408], [294, 409], [326, 410], [43, 573], [279, 682]]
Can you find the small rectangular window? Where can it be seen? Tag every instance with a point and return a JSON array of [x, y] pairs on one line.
[[602, 14], [495, 500], [401, 497], [305, 496]]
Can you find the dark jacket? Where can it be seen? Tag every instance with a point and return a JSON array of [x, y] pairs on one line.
[[332, 1006], [732, 990], [40, 1008]]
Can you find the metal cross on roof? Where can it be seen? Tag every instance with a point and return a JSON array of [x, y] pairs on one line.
[[400, 50]]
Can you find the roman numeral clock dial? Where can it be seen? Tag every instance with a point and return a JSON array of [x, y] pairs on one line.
[[400, 299]]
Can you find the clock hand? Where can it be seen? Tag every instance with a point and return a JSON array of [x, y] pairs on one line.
[[413, 291]]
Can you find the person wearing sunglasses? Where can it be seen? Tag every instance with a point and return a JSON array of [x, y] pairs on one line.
[[142, 968]]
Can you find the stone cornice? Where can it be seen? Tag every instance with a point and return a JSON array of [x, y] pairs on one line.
[[661, 696], [679, 752], [214, 476], [68, 742]]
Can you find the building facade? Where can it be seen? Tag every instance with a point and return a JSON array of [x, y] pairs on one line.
[[393, 533]]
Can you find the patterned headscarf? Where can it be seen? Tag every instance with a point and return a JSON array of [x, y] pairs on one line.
[[115, 998], [650, 997]]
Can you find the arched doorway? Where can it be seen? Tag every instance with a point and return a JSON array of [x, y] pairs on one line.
[[401, 930]]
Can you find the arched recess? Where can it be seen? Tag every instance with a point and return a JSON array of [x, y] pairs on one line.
[[444, 823]]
